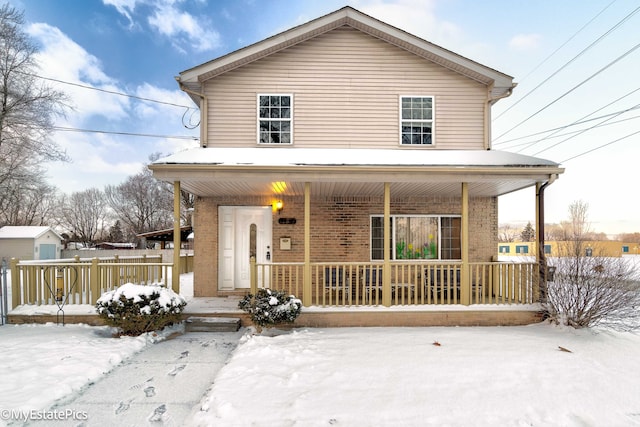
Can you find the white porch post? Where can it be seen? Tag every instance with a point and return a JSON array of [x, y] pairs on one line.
[[306, 285], [386, 265], [465, 284], [175, 275]]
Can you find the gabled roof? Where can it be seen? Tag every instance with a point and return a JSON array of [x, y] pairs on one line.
[[192, 79], [25, 232]]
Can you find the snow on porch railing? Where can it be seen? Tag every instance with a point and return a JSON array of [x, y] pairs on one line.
[[412, 283], [81, 281]]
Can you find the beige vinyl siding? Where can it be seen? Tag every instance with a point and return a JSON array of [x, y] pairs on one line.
[[346, 87]]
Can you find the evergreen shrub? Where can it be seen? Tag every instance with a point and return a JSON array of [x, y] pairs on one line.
[[136, 309], [271, 307]]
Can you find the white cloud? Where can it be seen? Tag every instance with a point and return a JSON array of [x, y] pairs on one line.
[[525, 41], [125, 7], [98, 159], [183, 28], [62, 59]]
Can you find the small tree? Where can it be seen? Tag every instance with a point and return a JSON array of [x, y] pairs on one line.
[[593, 290], [528, 234], [589, 289]]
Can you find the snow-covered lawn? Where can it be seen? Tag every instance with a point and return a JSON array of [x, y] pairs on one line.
[[483, 376], [40, 364], [495, 376]]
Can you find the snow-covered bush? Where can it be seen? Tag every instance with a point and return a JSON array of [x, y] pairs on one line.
[[136, 309], [271, 307]]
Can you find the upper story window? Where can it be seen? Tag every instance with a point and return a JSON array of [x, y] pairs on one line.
[[416, 120], [274, 119]]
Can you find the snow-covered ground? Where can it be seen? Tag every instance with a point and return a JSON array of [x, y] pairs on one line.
[[483, 376]]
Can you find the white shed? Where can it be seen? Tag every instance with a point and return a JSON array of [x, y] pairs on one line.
[[29, 242]]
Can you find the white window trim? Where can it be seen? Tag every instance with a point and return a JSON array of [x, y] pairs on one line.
[[433, 121], [290, 95], [393, 229]]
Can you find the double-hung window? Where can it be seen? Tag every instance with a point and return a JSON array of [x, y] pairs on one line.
[[416, 120], [418, 237], [274, 119]]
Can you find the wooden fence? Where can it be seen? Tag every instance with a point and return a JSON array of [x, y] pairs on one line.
[[84, 280]]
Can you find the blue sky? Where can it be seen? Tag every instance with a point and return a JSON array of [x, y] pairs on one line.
[[138, 46]]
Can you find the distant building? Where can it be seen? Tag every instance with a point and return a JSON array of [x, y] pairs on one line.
[[29, 243], [557, 248]]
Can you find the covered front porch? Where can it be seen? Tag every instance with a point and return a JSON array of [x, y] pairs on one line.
[[314, 188]]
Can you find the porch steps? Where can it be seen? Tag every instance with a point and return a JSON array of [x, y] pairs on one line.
[[212, 324]]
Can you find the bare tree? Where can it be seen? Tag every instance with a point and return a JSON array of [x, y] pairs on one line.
[[629, 237], [84, 214], [142, 203], [594, 290], [507, 233], [27, 109], [32, 203], [553, 232], [588, 288]]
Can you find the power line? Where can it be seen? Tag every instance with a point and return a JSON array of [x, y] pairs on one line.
[[573, 88], [602, 146], [593, 112], [576, 123], [555, 51], [68, 129], [112, 92], [585, 130], [572, 132]]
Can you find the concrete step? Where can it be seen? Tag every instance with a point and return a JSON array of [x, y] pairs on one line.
[[212, 324]]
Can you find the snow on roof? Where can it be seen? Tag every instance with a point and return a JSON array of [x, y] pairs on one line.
[[286, 156], [24, 232]]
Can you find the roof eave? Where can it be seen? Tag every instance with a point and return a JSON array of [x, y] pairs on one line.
[[364, 173]]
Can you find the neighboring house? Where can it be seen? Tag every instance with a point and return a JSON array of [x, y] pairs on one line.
[[29, 243], [609, 248], [353, 162]]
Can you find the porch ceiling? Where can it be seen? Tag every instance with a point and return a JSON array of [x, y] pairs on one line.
[[351, 172], [211, 188]]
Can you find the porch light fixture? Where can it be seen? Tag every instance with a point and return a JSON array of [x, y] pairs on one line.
[[277, 206], [279, 187]]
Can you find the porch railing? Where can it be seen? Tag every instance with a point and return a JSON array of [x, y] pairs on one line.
[[82, 281], [412, 283]]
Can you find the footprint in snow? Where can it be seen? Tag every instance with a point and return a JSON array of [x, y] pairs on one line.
[[123, 406], [184, 354], [150, 391], [140, 385], [158, 413], [176, 369]]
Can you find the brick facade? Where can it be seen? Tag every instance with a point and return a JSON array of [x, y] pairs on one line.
[[339, 229]]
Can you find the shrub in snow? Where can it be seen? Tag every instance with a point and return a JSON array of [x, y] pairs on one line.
[[270, 307], [593, 290], [136, 309]]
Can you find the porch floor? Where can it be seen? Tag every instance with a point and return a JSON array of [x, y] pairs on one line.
[[315, 316]]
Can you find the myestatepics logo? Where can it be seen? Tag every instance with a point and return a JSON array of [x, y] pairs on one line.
[[39, 415]]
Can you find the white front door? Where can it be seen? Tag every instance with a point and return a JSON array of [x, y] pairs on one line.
[[244, 231]]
